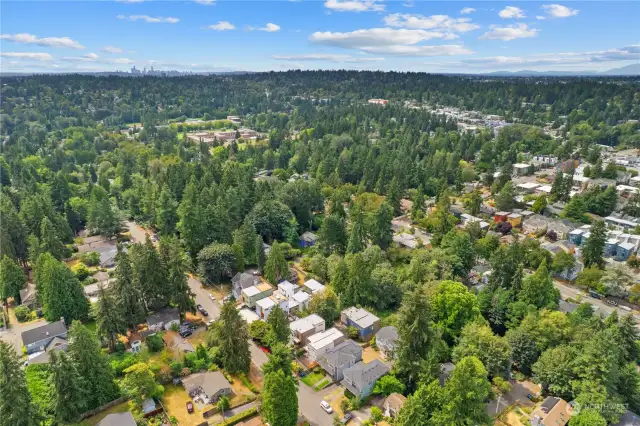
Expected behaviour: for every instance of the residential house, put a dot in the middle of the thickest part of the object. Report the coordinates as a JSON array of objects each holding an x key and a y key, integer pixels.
[
  {"x": 393, "y": 404},
  {"x": 515, "y": 219},
  {"x": 467, "y": 219},
  {"x": 500, "y": 216},
  {"x": 287, "y": 289},
  {"x": 552, "y": 412},
  {"x": 164, "y": 319},
  {"x": 28, "y": 296},
  {"x": 251, "y": 295},
  {"x": 610, "y": 247},
  {"x": 264, "y": 307},
  {"x": 635, "y": 181},
  {"x": 242, "y": 280},
  {"x": 207, "y": 387},
  {"x": 624, "y": 251},
  {"x": 620, "y": 223},
  {"x": 302, "y": 300},
  {"x": 306, "y": 327},
  {"x": 135, "y": 343},
  {"x": 521, "y": 169},
  {"x": 527, "y": 187},
  {"x": 337, "y": 359},
  {"x": 308, "y": 239},
  {"x": 312, "y": 287},
  {"x": 319, "y": 343},
  {"x": 361, "y": 378},
  {"x": 91, "y": 291},
  {"x": 118, "y": 419},
  {"x": 366, "y": 323},
  {"x": 37, "y": 339},
  {"x": 406, "y": 240},
  {"x": 576, "y": 236},
  {"x": 58, "y": 343},
  {"x": 386, "y": 340}
]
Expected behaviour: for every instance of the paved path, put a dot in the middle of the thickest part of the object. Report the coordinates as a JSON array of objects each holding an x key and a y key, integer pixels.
[{"x": 258, "y": 357}]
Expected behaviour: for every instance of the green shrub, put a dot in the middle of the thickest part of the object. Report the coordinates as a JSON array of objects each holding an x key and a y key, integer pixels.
[
  {"x": 22, "y": 313},
  {"x": 91, "y": 258},
  {"x": 81, "y": 271},
  {"x": 245, "y": 381},
  {"x": 352, "y": 332},
  {"x": 155, "y": 343}
]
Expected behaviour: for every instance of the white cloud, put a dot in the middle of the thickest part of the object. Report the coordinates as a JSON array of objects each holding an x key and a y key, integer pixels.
[
  {"x": 434, "y": 22},
  {"x": 89, "y": 57},
  {"x": 467, "y": 10},
  {"x": 26, "y": 38},
  {"x": 511, "y": 12},
  {"x": 420, "y": 50},
  {"x": 206, "y": 2},
  {"x": 123, "y": 61},
  {"x": 510, "y": 32},
  {"x": 354, "y": 5},
  {"x": 390, "y": 41},
  {"x": 111, "y": 49},
  {"x": 594, "y": 59},
  {"x": 150, "y": 19},
  {"x": 328, "y": 57},
  {"x": 541, "y": 18},
  {"x": 269, "y": 28},
  {"x": 559, "y": 11},
  {"x": 222, "y": 26},
  {"x": 28, "y": 55},
  {"x": 373, "y": 37}
]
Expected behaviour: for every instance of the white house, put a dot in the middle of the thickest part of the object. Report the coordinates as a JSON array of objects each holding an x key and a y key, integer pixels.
[
  {"x": 312, "y": 286},
  {"x": 306, "y": 327},
  {"x": 287, "y": 289},
  {"x": 320, "y": 342},
  {"x": 264, "y": 307}
]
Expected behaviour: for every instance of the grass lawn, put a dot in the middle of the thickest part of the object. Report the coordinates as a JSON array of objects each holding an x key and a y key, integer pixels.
[
  {"x": 175, "y": 400},
  {"x": 312, "y": 378},
  {"x": 94, "y": 420}
]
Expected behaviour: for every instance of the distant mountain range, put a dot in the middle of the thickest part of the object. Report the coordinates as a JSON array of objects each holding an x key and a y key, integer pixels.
[{"x": 633, "y": 69}]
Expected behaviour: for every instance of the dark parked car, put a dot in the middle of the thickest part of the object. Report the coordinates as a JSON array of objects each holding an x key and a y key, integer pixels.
[
  {"x": 202, "y": 310},
  {"x": 186, "y": 333},
  {"x": 189, "y": 407}
]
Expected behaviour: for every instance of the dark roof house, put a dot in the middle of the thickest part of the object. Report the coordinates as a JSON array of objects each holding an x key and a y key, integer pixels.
[
  {"x": 337, "y": 359},
  {"x": 28, "y": 295},
  {"x": 207, "y": 386},
  {"x": 242, "y": 280},
  {"x": 37, "y": 339},
  {"x": 164, "y": 319}
]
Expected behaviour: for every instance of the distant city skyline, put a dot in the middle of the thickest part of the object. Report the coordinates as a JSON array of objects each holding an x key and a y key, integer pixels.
[{"x": 222, "y": 36}]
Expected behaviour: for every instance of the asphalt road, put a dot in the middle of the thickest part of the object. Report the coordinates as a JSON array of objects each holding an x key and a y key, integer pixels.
[
  {"x": 138, "y": 235},
  {"x": 573, "y": 292},
  {"x": 309, "y": 404}
]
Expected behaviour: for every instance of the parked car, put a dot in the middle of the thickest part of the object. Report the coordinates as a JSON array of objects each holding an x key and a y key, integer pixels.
[
  {"x": 209, "y": 323},
  {"x": 202, "y": 310},
  {"x": 346, "y": 418},
  {"x": 189, "y": 407},
  {"x": 326, "y": 407},
  {"x": 186, "y": 333},
  {"x": 612, "y": 303},
  {"x": 212, "y": 297}
]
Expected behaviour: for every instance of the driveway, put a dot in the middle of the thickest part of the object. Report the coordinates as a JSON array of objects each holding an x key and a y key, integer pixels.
[
  {"x": 258, "y": 357},
  {"x": 309, "y": 404},
  {"x": 14, "y": 334},
  {"x": 518, "y": 392}
]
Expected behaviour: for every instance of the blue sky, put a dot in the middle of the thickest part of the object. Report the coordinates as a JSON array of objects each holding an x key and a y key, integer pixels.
[{"x": 405, "y": 35}]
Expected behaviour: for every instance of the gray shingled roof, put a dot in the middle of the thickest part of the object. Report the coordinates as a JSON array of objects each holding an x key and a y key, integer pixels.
[
  {"x": 387, "y": 336},
  {"x": 347, "y": 351},
  {"x": 164, "y": 315},
  {"x": 363, "y": 374},
  {"x": 40, "y": 333},
  {"x": 210, "y": 382}
]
